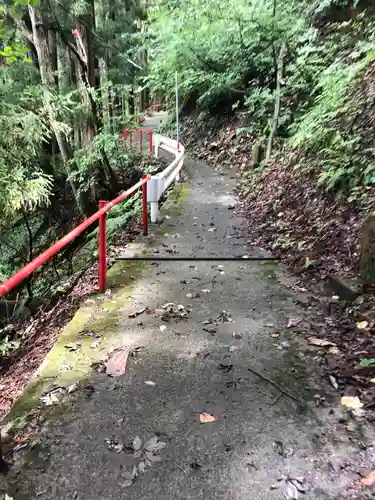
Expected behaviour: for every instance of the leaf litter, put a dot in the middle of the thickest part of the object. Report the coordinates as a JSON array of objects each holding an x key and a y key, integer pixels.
[
  {"x": 147, "y": 455},
  {"x": 290, "y": 486},
  {"x": 320, "y": 342},
  {"x": 175, "y": 311},
  {"x": 206, "y": 418},
  {"x": 369, "y": 480},
  {"x": 116, "y": 364}
]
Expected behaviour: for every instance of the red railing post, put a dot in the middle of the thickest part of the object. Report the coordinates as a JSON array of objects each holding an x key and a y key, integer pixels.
[
  {"x": 131, "y": 138},
  {"x": 149, "y": 133},
  {"x": 140, "y": 140},
  {"x": 144, "y": 206},
  {"x": 102, "y": 249},
  {"x": 125, "y": 134}
]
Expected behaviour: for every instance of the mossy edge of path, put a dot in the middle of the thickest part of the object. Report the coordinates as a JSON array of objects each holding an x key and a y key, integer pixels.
[{"x": 98, "y": 314}]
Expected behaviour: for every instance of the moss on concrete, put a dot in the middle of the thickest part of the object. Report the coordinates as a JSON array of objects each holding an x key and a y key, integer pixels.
[
  {"x": 176, "y": 199},
  {"x": 99, "y": 314}
]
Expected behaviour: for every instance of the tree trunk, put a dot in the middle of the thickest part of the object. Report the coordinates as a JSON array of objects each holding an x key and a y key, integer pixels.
[
  {"x": 280, "y": 67},
  {"x": 48, "y": 81}
]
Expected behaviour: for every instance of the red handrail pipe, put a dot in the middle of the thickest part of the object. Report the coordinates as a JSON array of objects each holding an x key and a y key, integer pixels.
[
  {"x": 23, "y": 273},
  {"x": 129, "y": 133}
]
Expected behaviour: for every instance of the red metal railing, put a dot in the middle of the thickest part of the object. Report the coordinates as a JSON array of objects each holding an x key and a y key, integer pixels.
[
  {"x": 129, "y": 133},
  {"x": 100, "y": 215}
]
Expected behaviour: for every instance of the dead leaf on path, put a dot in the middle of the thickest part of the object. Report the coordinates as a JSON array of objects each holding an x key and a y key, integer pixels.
[
  {"x": 209, "y": 329},
  {"x": 206, "y": 418},
  {"x": 333, "y": 382},
  {"x": 137, "y": 313},
  {"x": 320, "y": 342},
  {"x": 290, "y": 491},
  {"x": 334, "y": 350},
  {"x": 152, "y": 458},
  {"x": 137, "y": 443},
  {"x": 141, "y": 467},
  {"x": 126, "y": 479},
  {"x": 72, "y": 388},
  {"x": 65, "y": 368},
  {"x": 233, "y": 348},
  {"x": 151, "y": 443},
  {"x": 369, "y": 480},
  {"x": 150, "y": 382},
  {"x": 352, "y": 402},
  {"x": 237, "y": 335},
  {"x": 225, "y": 317},
  {"x": 292, "y": 322},
  {"x": 162, "y": 328},
  {"x": 73, "y": 346},
  {"x": 275, "y": 335},
  {"x": 7, "y": 497},
  {"x": 98, "y": 366},
  {"x": 361, "y": 325},
  {"x": 205, "y": 290},
  {"x": 283, "y": 345},
  {"x": 116, "y": 365},
  {"x": 114, "y": 445},
  {"x": 212, "y": 229},
  {"x": 50, "y": 399}
]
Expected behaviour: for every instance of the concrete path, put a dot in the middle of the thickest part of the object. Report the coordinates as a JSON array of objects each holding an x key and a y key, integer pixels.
[{"x": 190, "y": 366}]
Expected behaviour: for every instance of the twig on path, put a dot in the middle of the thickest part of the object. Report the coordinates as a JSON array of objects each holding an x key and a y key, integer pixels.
[
  {"x": 181, "y": 469},
  {"x": 212, "y": 280},
  {"x": 275, "y": 385},
  {"x": 277, "y": 400}
]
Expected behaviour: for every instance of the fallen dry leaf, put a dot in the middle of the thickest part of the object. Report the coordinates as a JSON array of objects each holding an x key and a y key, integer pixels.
[
  {"x": 320, "y": 342},
  {"x": 137, "y": 443},
  {"x": 275, "y": 335},
  {"x": 212, "y": 229},
  {"x": 162, "y": 328},
  {"x": 361, "y": 325},
  {"x": 334, "y": 350},
  {"x": 116, "y": 365},
  {"x": 205, "y": 418},
  {"x": 351, "y": 402},
  {"x": 369, "y": 480},
  {"x": 150, "y": 382},
  {"x": 137, "y": 313},
  {"x": 293, "y": 322}
]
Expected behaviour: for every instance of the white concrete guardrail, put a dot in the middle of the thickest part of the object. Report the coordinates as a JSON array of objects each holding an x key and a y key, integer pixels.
[{"x": 159, "y": 183}]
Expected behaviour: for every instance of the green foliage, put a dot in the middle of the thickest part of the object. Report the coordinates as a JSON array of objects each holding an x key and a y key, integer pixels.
[
  {"x": 368, "y": 362},
  {"x": 218, "y": 48},
  {"x": 7, "y": 346},
  {"x": 225, "y": 54}
]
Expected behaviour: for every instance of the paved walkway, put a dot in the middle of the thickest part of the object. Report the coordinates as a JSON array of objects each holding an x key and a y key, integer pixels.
[{"x": 199, "y": 364}]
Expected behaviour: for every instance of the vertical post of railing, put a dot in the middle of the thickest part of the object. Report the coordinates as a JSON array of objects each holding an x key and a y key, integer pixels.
[
  {"x": 125, "y": 134},
  {"x": 144, "y": 208},
  {"x": 102, "y": 249},
  {"x": 149, "y": 133},
  {"x": 131, "y": 138},
  {"x": 140, "y": 140}
]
